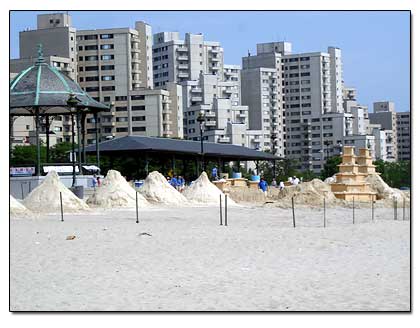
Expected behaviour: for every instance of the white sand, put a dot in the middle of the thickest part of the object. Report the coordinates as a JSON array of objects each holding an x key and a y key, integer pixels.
[
  {"x": 384, "y": 191},
  {"x": 258, "y": 262},
  {"x": 17, "y": 210},
  {"x": 115, "y": 191},
  {"x": 156, "y": 189},
  {"x": 46, "y": 197},
  {"x": 203, "y": 191}
]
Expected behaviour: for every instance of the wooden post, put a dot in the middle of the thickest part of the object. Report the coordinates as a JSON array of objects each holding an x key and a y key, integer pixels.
[
  {"x": 353, "y": 209},
  {"x": 221, "y": 214},
  {"x": 325, "y": 216},
  {"x": 293, "y": 212},
  {"x": 226, "y": 210},
  {"x": 137, "y": 207},
  {"x": 61, "y": 206},
  {"x": 403, "y": 209},
  {"x": 395, "y": 209},
  {"x": 373, "y": 208}
]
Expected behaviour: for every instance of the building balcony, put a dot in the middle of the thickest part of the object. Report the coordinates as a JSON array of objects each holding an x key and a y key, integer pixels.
[
  {"x": 167, "y": 134},
  {"x": 166, "y": 100},
  {"x": 166, "y": 111},
  {"x": 182, "y": 49},
  {"x": 196, "y": 90},
  {"x": 214, "y": 51},
  {"x": 196, "y": 98},
  {"x": 182, "y": 74},
  {"x": 182, "y": 66},
  {"x": 228, "y": 73},
  {"x": 214, "y": 59},
  {"x": 224, "y": 140},
  {"x": 104, "y": 123},
  {"x": 210, "y": 114},
  {"x": 243, "y": 115},
  {"x": 210, "y": 123},
  {"x": 214, "y": 68},
  {"x": 229, "y": 91},
  {"x": 182, "y": 57}
]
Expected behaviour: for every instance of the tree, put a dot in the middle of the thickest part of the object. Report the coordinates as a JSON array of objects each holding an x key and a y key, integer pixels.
[
  {"x": 330, "y": 167},
  {"x": 59, "y": 153},
  {"x": 395, "y": 174},
  {"x": 26, "y": 155}
]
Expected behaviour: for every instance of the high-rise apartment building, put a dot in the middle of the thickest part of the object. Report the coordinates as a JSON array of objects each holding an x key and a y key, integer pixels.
[
  {"x": 114, "y": 67},
  {"x": 310, "y": 86},
  {"x": 385, "y": 115},
  {"x": 403, "y": 136},
  {"x": 176, "y": 60}
]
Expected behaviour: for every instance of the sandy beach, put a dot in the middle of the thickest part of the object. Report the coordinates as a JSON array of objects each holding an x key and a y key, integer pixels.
[{"x": 182, "y": 259}]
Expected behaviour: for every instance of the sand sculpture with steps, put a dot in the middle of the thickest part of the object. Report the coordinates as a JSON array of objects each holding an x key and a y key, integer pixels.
[{"x": 351, "y": 179}]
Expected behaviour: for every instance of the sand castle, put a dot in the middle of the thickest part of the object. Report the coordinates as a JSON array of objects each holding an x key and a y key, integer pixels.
[{"x": 351, "y": 180}]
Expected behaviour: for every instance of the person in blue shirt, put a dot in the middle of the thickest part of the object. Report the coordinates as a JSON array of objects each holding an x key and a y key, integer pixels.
[
  {"x": 214, "y": 173},
  {"x": 174, "y": 181},
  {"x": 180, "y": 183},
  {"x": 263, "y": 186}
]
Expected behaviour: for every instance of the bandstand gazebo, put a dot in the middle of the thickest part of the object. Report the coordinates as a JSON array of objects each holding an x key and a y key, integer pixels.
[{"x": 44, "y": 92}]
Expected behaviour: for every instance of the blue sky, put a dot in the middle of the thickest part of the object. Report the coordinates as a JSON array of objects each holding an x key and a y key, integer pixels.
[{"x": 375, "y": 45}]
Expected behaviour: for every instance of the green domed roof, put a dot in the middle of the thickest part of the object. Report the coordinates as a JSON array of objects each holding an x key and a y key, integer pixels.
[{"x": 43, "y": 86}]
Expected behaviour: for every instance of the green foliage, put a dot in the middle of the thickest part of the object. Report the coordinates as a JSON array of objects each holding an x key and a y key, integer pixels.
[
  {"x": 59, "y": 152},
  {"x": 395, "y": 174},
  {"x": 308, "y": 175},
  {"x": 26, "y": 155},
  {"x": 330, "y": 167}
]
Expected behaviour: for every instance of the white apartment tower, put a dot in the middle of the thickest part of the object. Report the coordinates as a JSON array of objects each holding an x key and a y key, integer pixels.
[
  {"x": 310, "y": 87},
  {"x": 176, "y": 60},
  {"x": 115, "y": 67}
]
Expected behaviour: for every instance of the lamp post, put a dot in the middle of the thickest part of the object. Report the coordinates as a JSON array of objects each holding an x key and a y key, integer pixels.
[
  {"x": 72, "y": 103},
  {"x": 200, "y": 120}
]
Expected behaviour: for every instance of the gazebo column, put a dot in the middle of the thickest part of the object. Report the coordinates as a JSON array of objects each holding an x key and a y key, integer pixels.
[
  {"x": 84, "y": 137},
  {"x": 47, "y": 134},
  {"x": 147, "y": 165},
  {"x": 173, "y": 164},
  {"x": 73, "y": 160},
  {"x": 197, "y": 173},
  {"x": 79, "y": 148},
  {"x": 38, "y": 145},
  {"x": 274, "y": 169},
  {"x": 96, "y": 139},
  {"x": 257, "y": 166},
  {"x": 11, "y": 121}
]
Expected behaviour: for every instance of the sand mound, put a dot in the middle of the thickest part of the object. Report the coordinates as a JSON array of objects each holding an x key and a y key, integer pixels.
[
  {"x": 17, "y": 210},
  {"x": 46, "y": 197},
  {"x": 385, "y": 192},
  {"x": 157, "y": 190},
  {"x": 115, "y": 191},
  {"x": 204, "y": 192},
  {"x": 309, "y": 193},
  {"x": 331, "y": 180}
]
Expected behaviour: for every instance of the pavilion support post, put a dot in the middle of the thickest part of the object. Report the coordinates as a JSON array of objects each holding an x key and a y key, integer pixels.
[
  {"x": 38, "y": 144},
  {"x": 47, "y": 134},
  {"x": 84, "y": 137},
  {"x": 197, "y": 167},
  {"x": 73, "y": 158},
  {"x": 79, "y": 144},
  {"x": 11, "y": 121},
  {"x": 96, "y": 139},
  {"x": 238, "y": 166},
  {"x": 147, "y": 165},
  {"x": 220, "y": 168},
  {"x": 173, "y": 164},
  {"x": 274, "y": 169},
  {"x": 184, "y": 164},
  {"x": 257, "y": 165}
]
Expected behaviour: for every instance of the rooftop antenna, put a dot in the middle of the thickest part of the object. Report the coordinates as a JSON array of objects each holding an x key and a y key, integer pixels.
[{"x": 249, "y": 53}]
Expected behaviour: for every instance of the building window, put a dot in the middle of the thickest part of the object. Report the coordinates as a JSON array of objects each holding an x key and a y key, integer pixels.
[
  {"x": 107, "y": 67},
  {"x": 92, "y": 78},
  {"x": 91, "y": 68},
  {"x": 107, "y": 36},
  {"x": 120, "y": 98},
  {"x": 138, "y": 118},
  {"x": 107, "y": 46},
  {"x": 107, "y": 57},
  {"x": 91, "y": 37},
  {"x": 137, "y": 97},
  {"x": 138, "y": 108},
  {"x": 139, "y": 128},
  {"x": 120, "y": 109},
  {"x": 108, "y": 78},
  {"x": 92, "y": 89}
]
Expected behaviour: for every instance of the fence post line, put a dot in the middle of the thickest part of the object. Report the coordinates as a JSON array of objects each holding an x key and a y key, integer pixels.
[
  {"x": 325, "y": 216},
  {"x": 353, "y": 210},
  {"x": 226, "y": 211},
  {"x": 137, "y": 207},
  {"x": 395, "y": 210},
  {"x": 403, "y": 209},
  {"x": 293, "y": 212},
  {"x": 373, "y": 208},
  {"x": 21, "y": 188},
  {"x": 221, "y": 214},
  {"x": 61, "y": 207}
]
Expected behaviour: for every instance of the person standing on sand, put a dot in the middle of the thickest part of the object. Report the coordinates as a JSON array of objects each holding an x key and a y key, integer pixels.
[
  {"x": 94, "y": 181},
  {"x": 98, "y": 180},
  {"x": 214, "y": 173},
  {"x": 281, "y": 185},
  {"x": 263, "y": 186}
]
